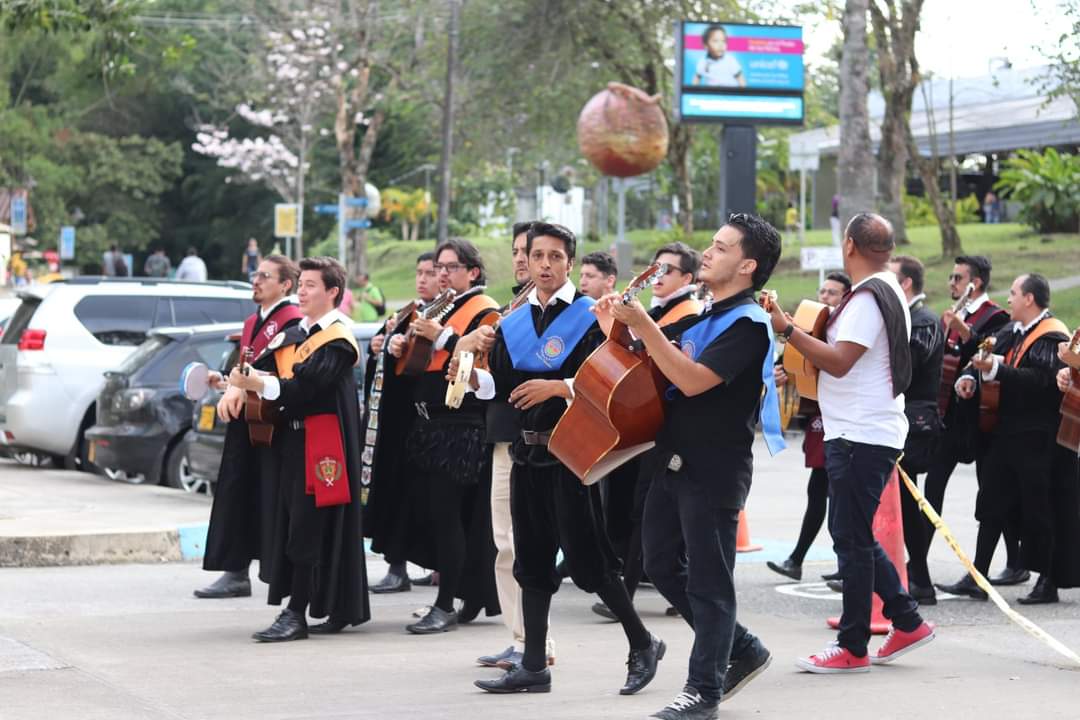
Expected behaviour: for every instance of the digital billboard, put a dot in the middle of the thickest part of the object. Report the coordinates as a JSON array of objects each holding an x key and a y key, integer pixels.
[{"x": 732, "y": 72}]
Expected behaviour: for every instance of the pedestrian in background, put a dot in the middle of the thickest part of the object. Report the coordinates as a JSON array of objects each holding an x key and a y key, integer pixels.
[
  {"x": 192, "y": 267},
  {"x": 370, "y": 303},
  {"x": 157, "y": 265},
  {"x": 108, "y": 261},
  {"x": 249, "y": 263}
]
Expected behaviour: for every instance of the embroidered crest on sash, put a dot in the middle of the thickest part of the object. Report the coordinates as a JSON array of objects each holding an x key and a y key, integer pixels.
[{"x": 328, "y": 470}]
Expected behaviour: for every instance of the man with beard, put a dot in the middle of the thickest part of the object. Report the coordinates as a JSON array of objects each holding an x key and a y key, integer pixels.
[
  {"x": 389, "y": 413},
  {"x": 244, "y": 499},
  {"x": 317, "y": 553},
  {"x": 447, "y": 455}
]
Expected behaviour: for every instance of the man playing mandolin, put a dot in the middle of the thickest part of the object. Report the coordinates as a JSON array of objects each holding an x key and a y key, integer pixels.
[{"x": 704, "y": 456}]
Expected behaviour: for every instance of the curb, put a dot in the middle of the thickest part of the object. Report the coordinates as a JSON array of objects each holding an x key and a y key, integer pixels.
[{"x": 184, "y": 543}]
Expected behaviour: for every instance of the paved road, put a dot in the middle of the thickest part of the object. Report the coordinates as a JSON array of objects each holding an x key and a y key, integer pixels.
[{"x": 129, "y": 641}]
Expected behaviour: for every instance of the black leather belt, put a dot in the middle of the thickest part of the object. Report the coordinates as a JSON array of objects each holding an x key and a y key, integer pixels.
[
  {"x": 296, "y": 424},
  {"x": 531, "y": 437}
]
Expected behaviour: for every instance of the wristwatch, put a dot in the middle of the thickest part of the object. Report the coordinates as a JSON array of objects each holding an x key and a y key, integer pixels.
[{"x": 786, "y": 334}]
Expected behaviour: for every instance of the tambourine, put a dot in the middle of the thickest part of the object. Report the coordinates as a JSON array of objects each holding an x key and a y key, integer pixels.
[{"x": 195, "y": 381}]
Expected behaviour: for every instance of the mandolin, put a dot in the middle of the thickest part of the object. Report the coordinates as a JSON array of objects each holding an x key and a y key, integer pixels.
[
  {"x": 259, "y": 413},
  {"x": 467, "y": 361},
  {"x": 1069, "y": 430},
  {"x": 989, "y": 391},
  {"x": 950, "y": 365},
  {"x": 418, "y": 349},
  {"x": 618, "y": 404},
  {"x": 810, "y": 317}
]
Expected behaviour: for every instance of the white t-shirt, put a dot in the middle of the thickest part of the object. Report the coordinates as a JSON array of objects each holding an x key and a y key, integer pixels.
[
  {"x": 191, "y": 268},
  {"x": 860, "y": 406}
]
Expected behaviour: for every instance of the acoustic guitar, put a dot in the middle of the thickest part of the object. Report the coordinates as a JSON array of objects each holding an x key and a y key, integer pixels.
[
  {"x": 418, "y": 349},
  {"x": 989, "y": 391},
  {"x": 950, "y": 365},
  {"x": 260, "y": 414},
  {"x": 618, "y": 404},
  {"x": 1069, "y": 430},
  {"x": 810, "y": 317},
  {"x": 467, "y": 361}
]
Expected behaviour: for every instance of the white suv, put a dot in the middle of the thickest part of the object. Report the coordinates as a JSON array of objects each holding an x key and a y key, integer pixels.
[{"x": 65, "y": 335}]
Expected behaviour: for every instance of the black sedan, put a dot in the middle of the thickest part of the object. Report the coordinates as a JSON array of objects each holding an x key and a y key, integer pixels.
[
  {"x": 206, "y": 439},
  {"x": 142, "y": 415}
]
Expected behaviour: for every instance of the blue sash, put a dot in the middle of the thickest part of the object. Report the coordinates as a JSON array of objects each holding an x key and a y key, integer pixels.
[
  {"x": 548, "y": 352},
  {"x": 696, "y": 339}
]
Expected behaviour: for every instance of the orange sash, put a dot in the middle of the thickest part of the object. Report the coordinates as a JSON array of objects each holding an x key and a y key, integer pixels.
[
  {"x": 686, "y": 307},
  {"x": 459, "y": 321},
  {"x": 290, "y": 355},
  {"x": 1046, "y": 325}
]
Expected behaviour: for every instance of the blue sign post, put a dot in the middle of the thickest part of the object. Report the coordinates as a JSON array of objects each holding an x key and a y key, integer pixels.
[
  {"x": 67, "y": 243},
  {"x": 18, "y": 215}
]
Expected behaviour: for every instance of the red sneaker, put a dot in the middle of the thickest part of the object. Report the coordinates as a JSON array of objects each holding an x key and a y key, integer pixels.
[
  {"x": 834, "y": 659},
  {"x": 899, "y": 642}
]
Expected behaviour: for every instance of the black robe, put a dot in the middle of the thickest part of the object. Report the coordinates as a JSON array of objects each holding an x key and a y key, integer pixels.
[
  {"x": 330, "y": 539},
  {"x": 245, "y": 498}
]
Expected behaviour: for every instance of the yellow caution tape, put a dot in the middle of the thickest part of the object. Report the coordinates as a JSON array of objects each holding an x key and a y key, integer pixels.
[{"x": 981, "y": 581}]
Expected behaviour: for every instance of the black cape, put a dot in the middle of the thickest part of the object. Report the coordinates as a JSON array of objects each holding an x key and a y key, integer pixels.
[
  {"x": 245, "y": 498},
  {"x": 329, "y": 539}
]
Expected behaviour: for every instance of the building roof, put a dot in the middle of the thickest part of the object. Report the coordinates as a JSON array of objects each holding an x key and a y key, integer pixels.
[{"x": 1007, "y": 110}]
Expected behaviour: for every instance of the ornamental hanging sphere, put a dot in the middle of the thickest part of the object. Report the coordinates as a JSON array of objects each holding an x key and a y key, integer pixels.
[{"x": 623, "y": 131}]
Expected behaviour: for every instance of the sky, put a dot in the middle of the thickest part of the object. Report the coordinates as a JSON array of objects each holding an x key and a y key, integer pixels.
[{"x": 965, "y": 38}]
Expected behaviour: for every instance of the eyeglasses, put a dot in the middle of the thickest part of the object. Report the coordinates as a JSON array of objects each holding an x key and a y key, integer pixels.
[
  {"x": 260, "y": 274},
  {"x": 956, "y": 277},
  {"x": 449, "y": 267}
]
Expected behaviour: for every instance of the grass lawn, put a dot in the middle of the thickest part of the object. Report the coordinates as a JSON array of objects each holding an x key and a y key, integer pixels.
[{"x": 1013, "y": 249}]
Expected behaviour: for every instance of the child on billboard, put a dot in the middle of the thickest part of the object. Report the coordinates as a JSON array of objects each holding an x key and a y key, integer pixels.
[{"x": 718, "y": 68}]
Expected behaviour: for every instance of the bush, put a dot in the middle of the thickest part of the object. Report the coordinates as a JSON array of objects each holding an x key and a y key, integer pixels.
[{"x": 1047, "y": 186}]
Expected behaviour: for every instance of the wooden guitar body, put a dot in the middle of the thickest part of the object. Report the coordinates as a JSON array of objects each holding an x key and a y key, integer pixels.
[
  {"x": 416, "y": 355},
  {"x": 1069, "y": 430},
  {"x": 989, "y": 402},
  {"x": 810, "y": 317},
  {"x": 261, "y": 415},
  {"x": 950, "y": 368},
  {"x": 617, "y": 410}
]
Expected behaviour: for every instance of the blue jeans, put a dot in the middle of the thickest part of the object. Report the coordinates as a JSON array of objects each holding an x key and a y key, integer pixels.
[
  {"x": 682, "y": 509},
  {"x": 857, "y": 476}
]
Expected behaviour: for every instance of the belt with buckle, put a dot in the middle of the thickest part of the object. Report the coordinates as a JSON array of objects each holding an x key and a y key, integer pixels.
[
  {"x": 675, "y": 463},
  {"x": 532, "y": 437}
]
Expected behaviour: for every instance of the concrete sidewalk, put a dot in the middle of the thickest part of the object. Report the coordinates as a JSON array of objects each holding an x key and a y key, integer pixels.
[{"x": 60, "y": 517}]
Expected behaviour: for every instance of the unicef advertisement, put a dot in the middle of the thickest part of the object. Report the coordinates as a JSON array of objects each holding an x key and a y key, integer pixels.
[{"x": 731, "y": 71}]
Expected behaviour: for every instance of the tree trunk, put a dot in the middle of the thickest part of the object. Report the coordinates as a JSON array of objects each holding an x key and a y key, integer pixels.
[
  {"x": 358, "y": 236},
  {"x": 892, "y": 170},
  {"x": 928, "y": 171},
  {"x": 681, "y": 139},
  {"x": 855, "y": 167}
]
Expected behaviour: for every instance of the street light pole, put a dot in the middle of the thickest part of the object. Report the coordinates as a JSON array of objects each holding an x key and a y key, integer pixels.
[{"x": 448, "y": 121}]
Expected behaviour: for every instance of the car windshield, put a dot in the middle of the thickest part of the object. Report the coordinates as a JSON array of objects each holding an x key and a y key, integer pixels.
[{"x": 143, "y": 354}]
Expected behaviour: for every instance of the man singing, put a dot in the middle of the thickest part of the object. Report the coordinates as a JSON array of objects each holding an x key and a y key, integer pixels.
[{"x": 865, "y": 366}]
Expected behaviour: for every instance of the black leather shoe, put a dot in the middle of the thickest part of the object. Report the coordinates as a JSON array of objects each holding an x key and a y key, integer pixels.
[
  {"x": 429, "y": 580},
  {"x": 1011, "y": 576},
  {"x": 922, "y": 595},
  {"x": 392, "y": 584},
  {"x": 965, "y": 587},
  {"x": 835, "y": 585},
  {"x": 1044, "y": 593},
  {"x": 518, "y": 680},
  {"x": 330, "y": 627},
  {"x": 750, "y": 663},
  {"x": 688, "y": 705},
  {"x": 229, "y": 585},
  {"x": 832, "y": 576},
  {"x": 641, "y": 665},
  {"x": 290, "y": 625},
  {"x": 604, "y": 611},
  {"x": 789, "y": 569},
  {"x": 436, "y": 621}
]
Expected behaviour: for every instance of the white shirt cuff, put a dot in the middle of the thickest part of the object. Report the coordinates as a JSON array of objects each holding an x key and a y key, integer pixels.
[
  {"x": 486, "y": 385},
  {"x": 570, "y": 384},
  {"x": 444, "y": 337},
  {"x": 271, "y": 388},
  {"x": 989, "y": 376}
]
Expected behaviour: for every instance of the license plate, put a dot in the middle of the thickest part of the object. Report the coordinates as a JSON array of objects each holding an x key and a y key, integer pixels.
[
  {"x": 206, "y": 417},
  {"x": 91, "y": 453}
]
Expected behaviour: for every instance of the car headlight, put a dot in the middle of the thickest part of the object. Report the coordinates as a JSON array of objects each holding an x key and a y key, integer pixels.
[{"x": 129, "y": 401}]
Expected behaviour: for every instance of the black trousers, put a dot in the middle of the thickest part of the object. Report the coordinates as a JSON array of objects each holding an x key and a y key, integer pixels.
[
  {"x": 685, "y": 512},
  {"x": 551, "y": 509}
]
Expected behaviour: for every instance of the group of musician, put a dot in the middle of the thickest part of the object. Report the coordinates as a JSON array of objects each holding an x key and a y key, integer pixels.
[{"x": 450, "y": 468}]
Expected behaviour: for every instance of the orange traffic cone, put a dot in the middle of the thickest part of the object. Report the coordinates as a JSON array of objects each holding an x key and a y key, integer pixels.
[
  {"x": 742, "y": 540},
  {"x": 889, "y": 531}
]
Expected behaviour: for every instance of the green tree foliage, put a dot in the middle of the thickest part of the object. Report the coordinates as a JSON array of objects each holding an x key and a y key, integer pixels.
[{"x": 1047, "y": 186}]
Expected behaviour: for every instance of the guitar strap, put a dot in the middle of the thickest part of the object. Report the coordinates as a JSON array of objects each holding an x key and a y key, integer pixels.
[
  {"x": 1046, "y": 325},
  {"x": 549, "y": 351},
  {"x": 459, "y": 320},
  {"x": 694, "y": 341}
]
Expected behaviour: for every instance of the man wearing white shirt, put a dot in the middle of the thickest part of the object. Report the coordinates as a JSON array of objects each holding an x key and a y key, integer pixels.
[
  {"x": 191, "y": 267},
  {"x": 865, "y": 366}
]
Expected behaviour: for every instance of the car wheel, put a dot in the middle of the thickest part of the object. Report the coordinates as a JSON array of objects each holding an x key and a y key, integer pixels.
[
  {"x": 178, "y": 473},
  {"x": 31, "y": 459},
  {"x": 79, "y": 457}
]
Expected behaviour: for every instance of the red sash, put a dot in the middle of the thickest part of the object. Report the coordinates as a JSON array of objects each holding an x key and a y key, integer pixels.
[
  {"x": 326, "y": 475},
  {"x": 281, "y": 316}
]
